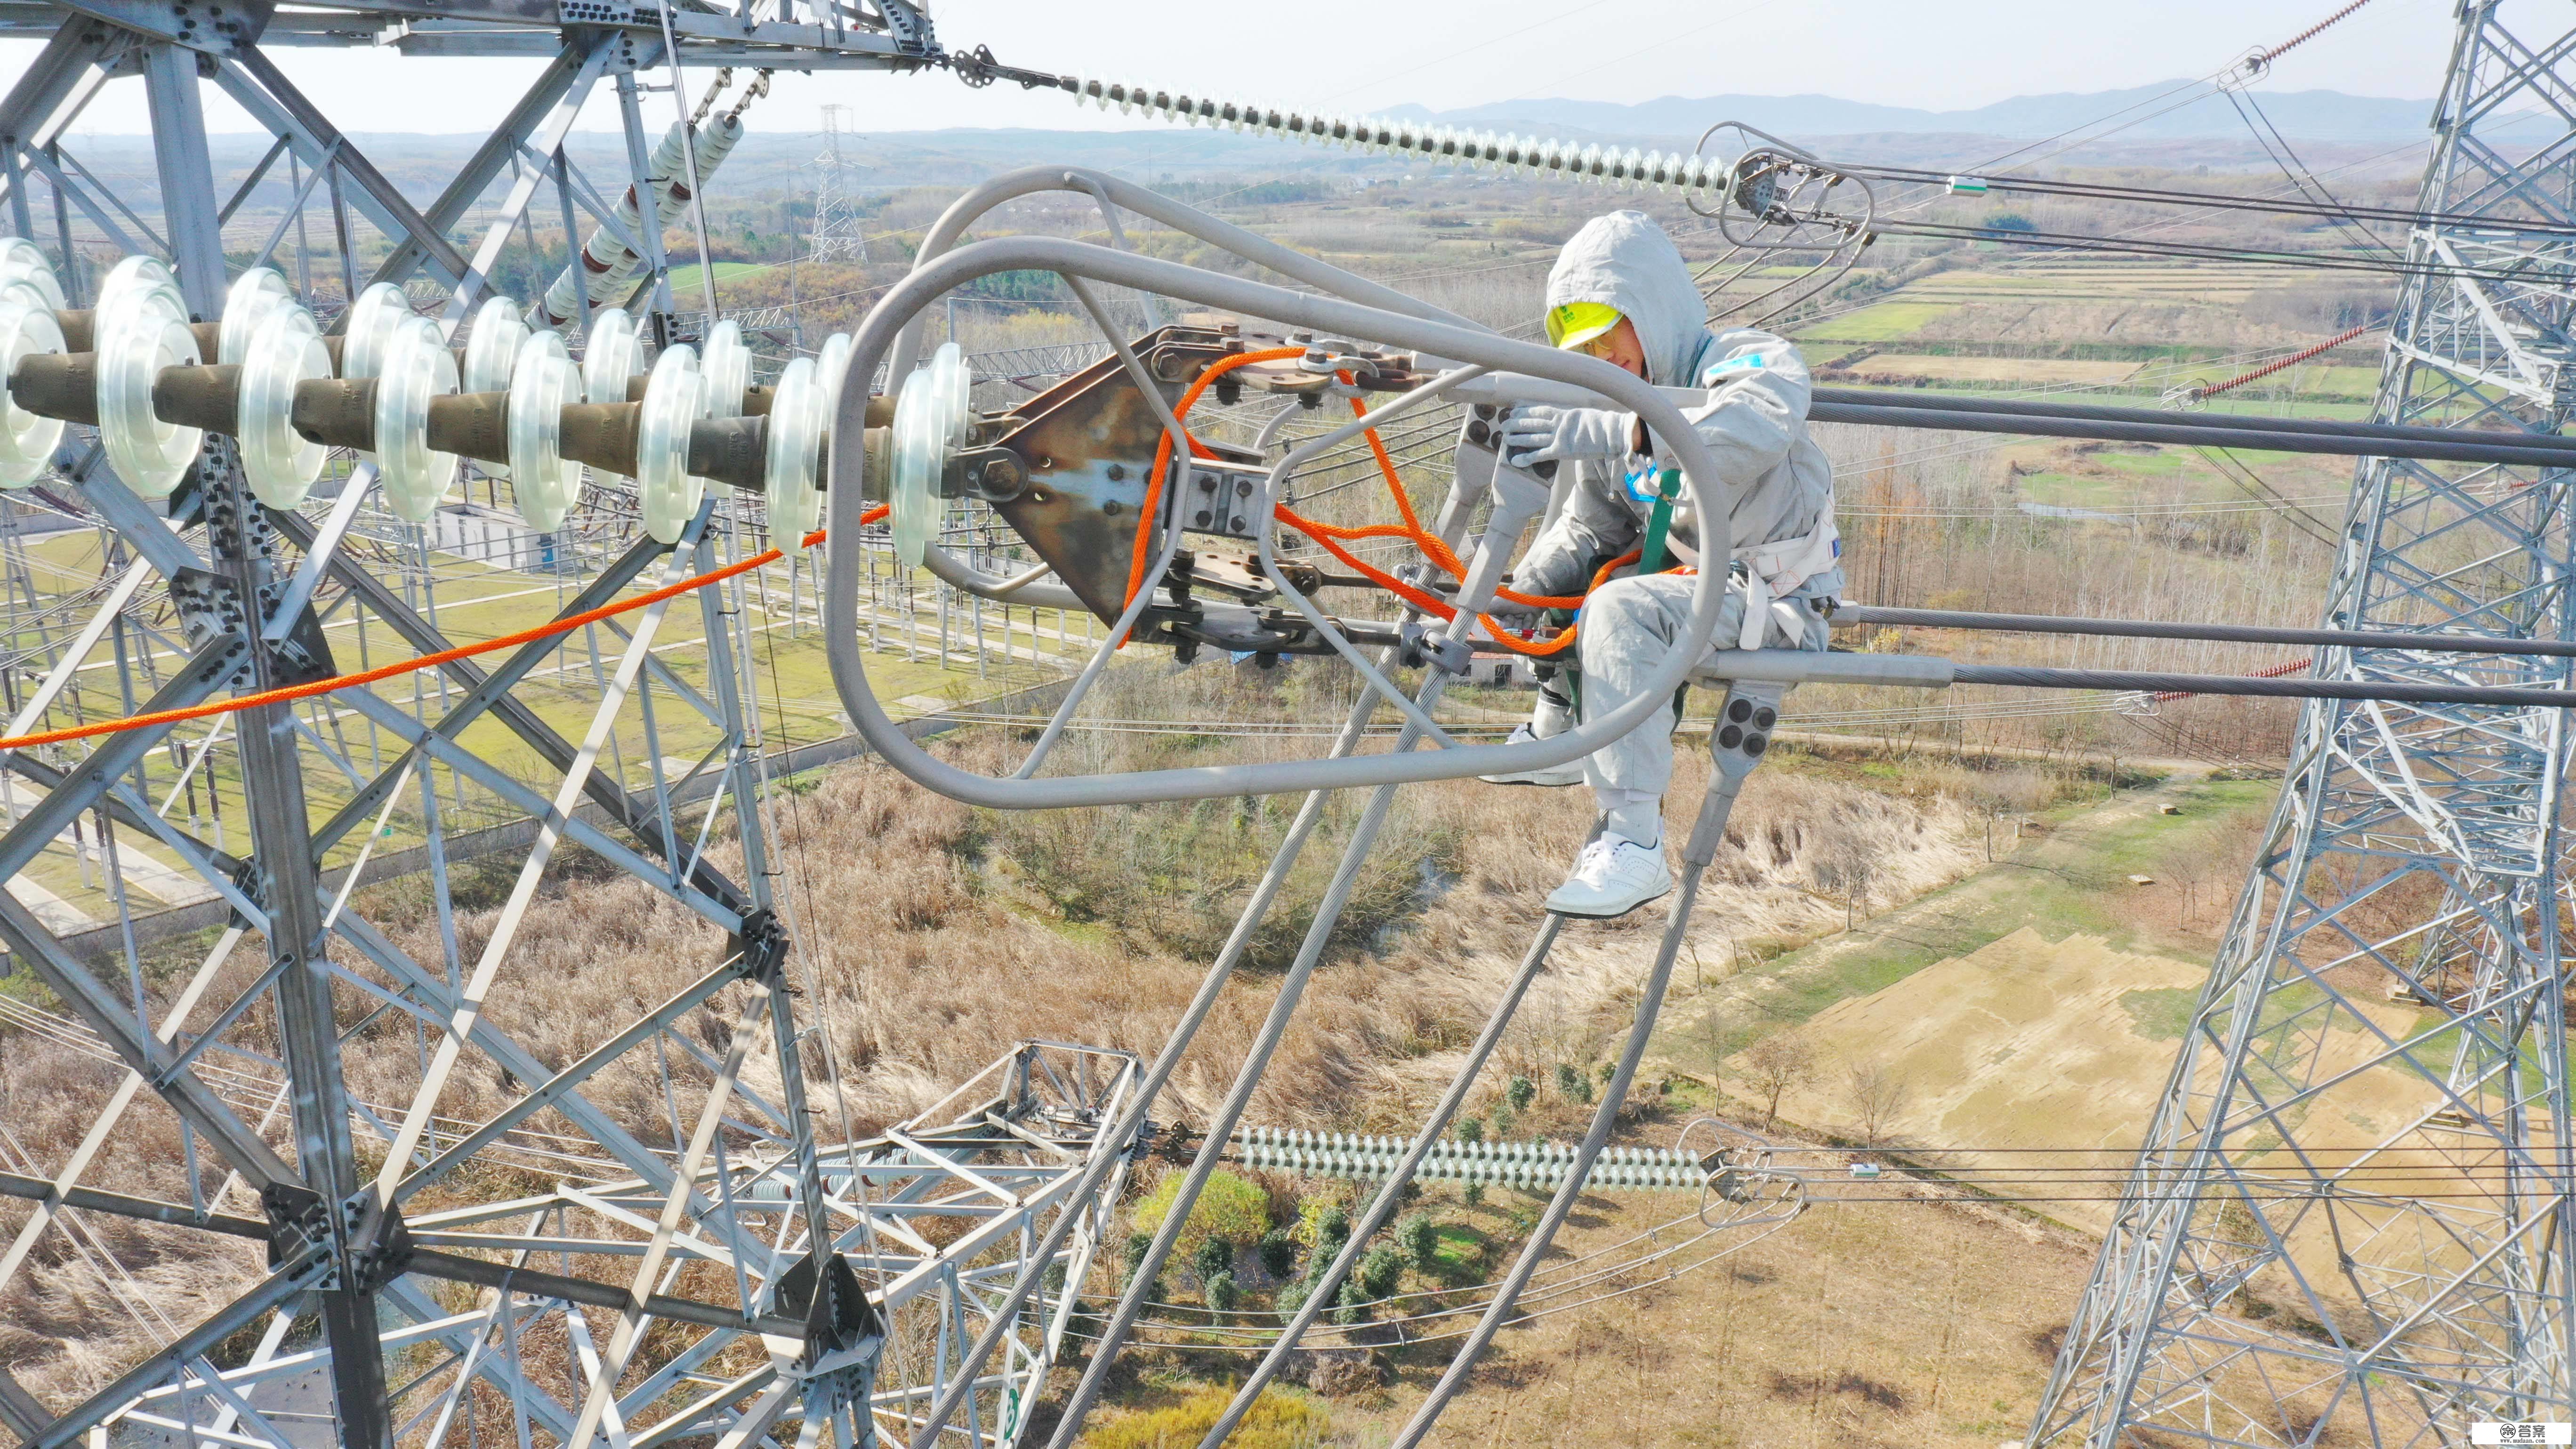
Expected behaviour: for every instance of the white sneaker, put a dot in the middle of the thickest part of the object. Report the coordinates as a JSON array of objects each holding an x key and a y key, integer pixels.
[
  {"x": 1552, "y": 777},
  {"x": 1612, "y": 877}
]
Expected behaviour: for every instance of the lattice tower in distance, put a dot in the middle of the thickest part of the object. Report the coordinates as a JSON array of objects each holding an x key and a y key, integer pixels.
[
  {"x": 2348, "y": 1221},
  {"x": 838, "y": 236}
]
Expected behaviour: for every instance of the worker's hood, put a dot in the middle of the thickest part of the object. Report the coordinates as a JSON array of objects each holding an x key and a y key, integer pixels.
[{"x": 1625, "y": 260}]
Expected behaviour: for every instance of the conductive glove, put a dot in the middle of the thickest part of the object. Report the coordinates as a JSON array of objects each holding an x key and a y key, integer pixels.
[{"x": 1536, "y": 434}]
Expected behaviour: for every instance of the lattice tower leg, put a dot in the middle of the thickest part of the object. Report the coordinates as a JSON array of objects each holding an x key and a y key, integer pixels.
[{"x": 2349, "y": 1220}]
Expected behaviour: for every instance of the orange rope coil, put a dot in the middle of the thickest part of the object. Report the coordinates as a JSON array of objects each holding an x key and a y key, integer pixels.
[{"x": 1330, "y": 536}]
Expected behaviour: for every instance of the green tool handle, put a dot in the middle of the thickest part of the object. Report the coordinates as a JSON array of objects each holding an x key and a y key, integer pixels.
[{"x": 1650, "y": 556}]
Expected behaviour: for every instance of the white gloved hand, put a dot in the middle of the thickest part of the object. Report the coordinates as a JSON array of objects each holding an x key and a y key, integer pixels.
[{"x": 1535, "y": 434}]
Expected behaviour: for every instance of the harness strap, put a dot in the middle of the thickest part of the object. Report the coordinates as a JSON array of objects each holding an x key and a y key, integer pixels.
[{"x": 1784, "y": 565}]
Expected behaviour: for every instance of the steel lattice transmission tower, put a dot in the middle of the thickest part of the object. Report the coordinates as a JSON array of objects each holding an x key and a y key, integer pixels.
[
  {"x": 837, "y": 234},
  {"x": 2349, "y": 1219}
]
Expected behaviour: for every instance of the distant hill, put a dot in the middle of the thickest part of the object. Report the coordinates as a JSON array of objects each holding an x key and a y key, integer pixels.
[{"x": 2152, "y": 114}]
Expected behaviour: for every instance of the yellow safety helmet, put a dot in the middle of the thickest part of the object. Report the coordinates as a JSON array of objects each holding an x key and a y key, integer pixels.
[{"x": 1571, "y": 324}]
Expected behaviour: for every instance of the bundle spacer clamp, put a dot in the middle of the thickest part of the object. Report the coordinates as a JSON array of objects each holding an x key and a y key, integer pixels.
[{"x": 1421, "y": 647}]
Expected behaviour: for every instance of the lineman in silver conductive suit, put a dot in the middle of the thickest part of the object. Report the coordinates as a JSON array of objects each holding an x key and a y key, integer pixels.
[{"x": 1621, "y": 292}]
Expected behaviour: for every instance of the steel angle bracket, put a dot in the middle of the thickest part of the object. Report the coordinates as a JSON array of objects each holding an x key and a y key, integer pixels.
[
  {"x": 210, "y": 604},
  {"x": 209, "y": 607},
  {"x": 759, "y": 948},
  {"x": 374, "y": 1247},
  {"x": 222, "y": 27},
  {"x": 1085, "y": 449},
  {"x": 843, "y": 1330},
  {"x": 909, "y": 26}
]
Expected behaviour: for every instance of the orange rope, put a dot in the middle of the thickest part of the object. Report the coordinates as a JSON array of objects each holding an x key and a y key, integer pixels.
[
  {"x": 1163, "y": 457},
  {"x": 1431, "y": 544},
  {"x": 547, "y": 630},
  {"x": 1326, "y": 534},
  {"x": 1439, "y": 552}
]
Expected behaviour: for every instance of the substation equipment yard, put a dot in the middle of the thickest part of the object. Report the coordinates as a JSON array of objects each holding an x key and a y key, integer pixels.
[{"x": 256, "y": 472}]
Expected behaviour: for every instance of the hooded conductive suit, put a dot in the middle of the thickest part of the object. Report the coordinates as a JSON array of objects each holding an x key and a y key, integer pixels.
[{"x": 1754, "y": 420}]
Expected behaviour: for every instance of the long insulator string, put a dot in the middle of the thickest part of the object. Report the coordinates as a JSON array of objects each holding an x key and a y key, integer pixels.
[{"x": 1606, "y": 165}]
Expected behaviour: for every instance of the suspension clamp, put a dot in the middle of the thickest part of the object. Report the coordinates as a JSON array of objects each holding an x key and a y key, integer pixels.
[
  {"x": 761, "y": 947},
  {"x": 978, "y": 69}
]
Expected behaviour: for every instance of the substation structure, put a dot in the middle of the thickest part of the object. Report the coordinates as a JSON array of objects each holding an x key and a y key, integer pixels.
[{"x": 256, "y": 474}]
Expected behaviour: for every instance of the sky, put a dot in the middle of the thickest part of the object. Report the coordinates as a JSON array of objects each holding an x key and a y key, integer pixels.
[{"x": 1367, "y": 55}]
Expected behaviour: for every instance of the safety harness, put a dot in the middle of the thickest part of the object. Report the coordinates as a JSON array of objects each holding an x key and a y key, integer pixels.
[{"x": 1773, "y": 571}]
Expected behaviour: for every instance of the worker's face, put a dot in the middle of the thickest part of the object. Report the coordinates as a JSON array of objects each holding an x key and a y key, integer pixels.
[{"x": 1620, "y": 348}]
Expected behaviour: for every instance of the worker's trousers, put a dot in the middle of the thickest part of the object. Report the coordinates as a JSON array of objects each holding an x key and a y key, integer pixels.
[{"x": 1630, "y": 628}]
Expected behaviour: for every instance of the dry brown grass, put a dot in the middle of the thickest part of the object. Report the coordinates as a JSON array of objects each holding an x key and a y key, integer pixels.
[
  {"x": 930, "y": 954},
  {"x": 1912, "y": 1322}
]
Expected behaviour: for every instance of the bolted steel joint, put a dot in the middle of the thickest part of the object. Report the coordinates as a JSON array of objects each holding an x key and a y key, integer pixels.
[
  {"x": 1744, "y": 724},
  {"x": 761, "y": 947},
  {"x": 820, "y": 1289},
  {"x": 298, "y": 1220},
  {"x": 376, "y": 1242},
  {"x": 996, "y": 475}
]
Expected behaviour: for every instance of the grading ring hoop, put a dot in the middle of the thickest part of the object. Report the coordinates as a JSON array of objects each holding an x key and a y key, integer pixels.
[{"x": 832, "y": 364}]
